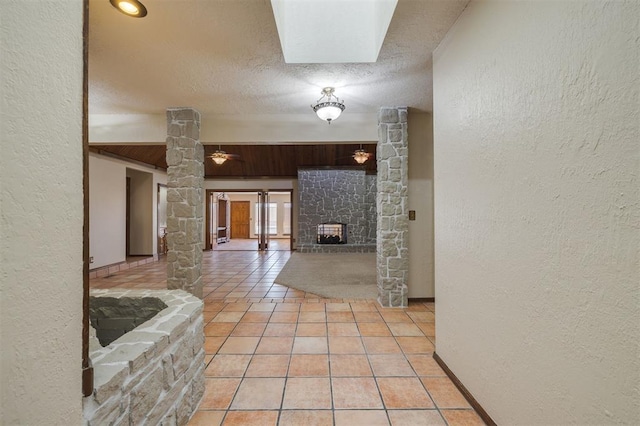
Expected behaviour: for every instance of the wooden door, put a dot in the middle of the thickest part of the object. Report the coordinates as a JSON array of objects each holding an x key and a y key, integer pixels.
[{"x": 240, "y": 213}]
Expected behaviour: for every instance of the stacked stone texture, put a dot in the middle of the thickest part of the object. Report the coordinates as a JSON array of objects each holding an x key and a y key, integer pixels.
[
  {"x": 336, "y": 195},
  {"x": 336, "y": 248},
  {"x": 155, "y": 373},
  {"x": 371, "y": 194},
  {"x": 393, "y": 222},
  {"x": 185, "y": 172}
]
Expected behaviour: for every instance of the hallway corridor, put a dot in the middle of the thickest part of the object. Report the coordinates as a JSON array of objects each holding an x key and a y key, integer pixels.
[{"x": 279, "y": 356}]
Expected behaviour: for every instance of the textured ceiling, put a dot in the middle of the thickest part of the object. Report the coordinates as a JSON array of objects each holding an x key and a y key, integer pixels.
[{"x": 223, "y": 57}]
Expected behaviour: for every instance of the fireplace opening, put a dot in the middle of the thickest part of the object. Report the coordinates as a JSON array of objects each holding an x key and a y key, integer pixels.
[{"x": 332, "y": 233}]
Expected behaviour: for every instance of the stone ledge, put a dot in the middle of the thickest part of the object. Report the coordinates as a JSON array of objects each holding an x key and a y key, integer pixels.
[{"x": 336, "y": 248}]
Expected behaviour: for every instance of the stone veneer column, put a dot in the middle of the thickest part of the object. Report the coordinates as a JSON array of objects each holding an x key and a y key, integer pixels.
[
  {"x": 185, "y": 178},
  {"x": 393, "y": 222}
]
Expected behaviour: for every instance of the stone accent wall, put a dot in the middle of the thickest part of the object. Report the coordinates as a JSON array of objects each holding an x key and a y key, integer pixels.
[
  {"x": 154, "y": 374},
  {"x": 371, "y": 195},
  {"x": 185, "y": 178},
  {"x": 336, "y": 195},
  {"x": 392, "y": 203}
]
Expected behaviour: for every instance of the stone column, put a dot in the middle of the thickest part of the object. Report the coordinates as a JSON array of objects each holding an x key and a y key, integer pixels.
[
  {"x": 185, "y": 178},
  {"x": 392, "y": 203}
]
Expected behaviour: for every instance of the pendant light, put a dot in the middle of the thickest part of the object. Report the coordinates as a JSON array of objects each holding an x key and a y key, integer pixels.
[
  {"x": 328, "y": 107},
  {"x": 360, "y": 155}
]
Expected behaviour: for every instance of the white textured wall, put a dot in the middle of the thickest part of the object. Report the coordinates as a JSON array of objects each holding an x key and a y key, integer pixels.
[
  {"x": 107, "y": 209},
  {"x": 41, "y": 212},
  {"x": 107, "y": 204},
  {"x": 159, "y": 177},
  {"x": 235, "y": 128},
  {"x": 536, "y": 126},
  {"x": 420, "y": 127}
]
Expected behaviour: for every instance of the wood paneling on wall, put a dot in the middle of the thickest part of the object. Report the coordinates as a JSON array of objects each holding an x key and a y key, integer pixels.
[{"x": 254, "y": 160}]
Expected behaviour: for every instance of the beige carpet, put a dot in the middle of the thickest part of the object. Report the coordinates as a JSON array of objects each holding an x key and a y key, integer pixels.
[{"x": 339, "y": 275}]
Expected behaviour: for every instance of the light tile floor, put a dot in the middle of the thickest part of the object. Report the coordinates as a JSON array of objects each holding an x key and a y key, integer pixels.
[
  {"x": 280, "y": 356},
  {"x": 242, "y": 244}
]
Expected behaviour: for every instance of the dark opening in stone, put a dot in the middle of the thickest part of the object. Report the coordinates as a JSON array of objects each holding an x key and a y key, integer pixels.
[
  {"x": 113, "y": 317},
  {"x": 332, "y": 233}
]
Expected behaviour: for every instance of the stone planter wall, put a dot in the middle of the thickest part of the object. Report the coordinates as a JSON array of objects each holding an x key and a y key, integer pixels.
[{"x": 154, "y": 374}]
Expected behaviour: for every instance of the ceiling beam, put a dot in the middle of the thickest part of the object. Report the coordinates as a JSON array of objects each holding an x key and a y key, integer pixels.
[{"x": 237, "y": 129}]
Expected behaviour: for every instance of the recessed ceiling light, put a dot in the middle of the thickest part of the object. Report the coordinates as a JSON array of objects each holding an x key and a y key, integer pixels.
[{"x": 130, "y": 7}]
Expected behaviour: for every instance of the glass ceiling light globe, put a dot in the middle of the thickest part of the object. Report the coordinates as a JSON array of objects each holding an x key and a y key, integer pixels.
[
  {"x": 328, "y": 107},
  {"x": 328, "y": 112}
]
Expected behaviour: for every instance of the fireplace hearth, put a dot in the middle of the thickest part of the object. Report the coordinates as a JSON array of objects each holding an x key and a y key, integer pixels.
[{"x": 332, "y": 233}]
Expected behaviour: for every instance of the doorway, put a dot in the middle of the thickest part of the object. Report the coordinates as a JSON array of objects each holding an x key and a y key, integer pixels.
[
  {"x": 139, "y": 214},
  {"x": 255, "y": 220},
  {"x": 128, "y": 218},
  {"x": 162, "y": 219}
]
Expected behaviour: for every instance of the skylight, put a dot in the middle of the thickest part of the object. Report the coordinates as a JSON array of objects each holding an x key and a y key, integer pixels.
[{"x": 332, "y": 31}]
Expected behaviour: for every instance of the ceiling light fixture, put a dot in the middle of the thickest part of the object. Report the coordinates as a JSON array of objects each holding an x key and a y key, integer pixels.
[
  {"x": 130, "y": 7},
  {"x": 219, "y": 156},
  {"x": 328, "y": 107},
  {"x": 361, "y": 156}
]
